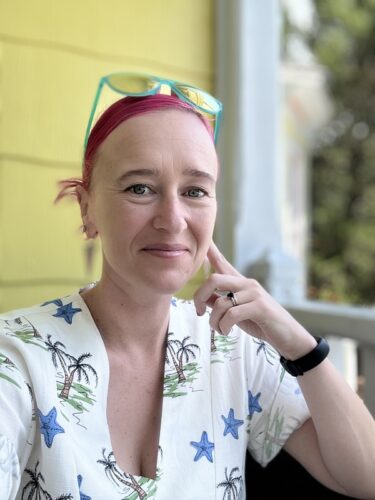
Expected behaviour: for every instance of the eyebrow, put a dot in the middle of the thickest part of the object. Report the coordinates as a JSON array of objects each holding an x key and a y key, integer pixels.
[{"x": 150, "y": 172}]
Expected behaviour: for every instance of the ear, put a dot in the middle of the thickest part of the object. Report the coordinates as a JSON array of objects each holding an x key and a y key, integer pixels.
[{"x": 84, "y": 201}]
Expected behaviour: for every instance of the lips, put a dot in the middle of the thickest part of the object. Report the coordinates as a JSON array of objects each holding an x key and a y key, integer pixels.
[
  {"x": 166, "y": 247},
  {"x": 166, "y": 250}
]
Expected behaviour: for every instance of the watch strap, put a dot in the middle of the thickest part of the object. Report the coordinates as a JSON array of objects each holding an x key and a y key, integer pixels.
[{"x": 312, "y": 359}]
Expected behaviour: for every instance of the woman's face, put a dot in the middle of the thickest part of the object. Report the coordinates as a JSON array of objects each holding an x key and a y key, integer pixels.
[{"x": 152, "y": 200}]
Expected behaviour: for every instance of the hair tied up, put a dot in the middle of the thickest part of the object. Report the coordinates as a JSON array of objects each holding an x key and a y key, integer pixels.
[{"x": 68, "y": 188}]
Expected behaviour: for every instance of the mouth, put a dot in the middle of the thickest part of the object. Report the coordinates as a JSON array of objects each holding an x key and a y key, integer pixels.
[{"x": 167, "y": 251}]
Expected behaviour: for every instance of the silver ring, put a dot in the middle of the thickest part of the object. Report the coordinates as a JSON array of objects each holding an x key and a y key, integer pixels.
[{"x": 232, "y": 297}]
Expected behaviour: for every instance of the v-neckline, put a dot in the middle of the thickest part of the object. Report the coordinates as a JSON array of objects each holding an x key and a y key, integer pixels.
[{"x": 106, "y": 370}]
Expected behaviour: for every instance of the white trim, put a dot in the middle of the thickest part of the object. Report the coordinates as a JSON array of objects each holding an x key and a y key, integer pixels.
[{"x": 247, "y": 83}]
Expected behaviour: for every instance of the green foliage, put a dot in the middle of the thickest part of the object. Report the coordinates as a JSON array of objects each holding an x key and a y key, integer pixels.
[{"x": 343, "y": 163}]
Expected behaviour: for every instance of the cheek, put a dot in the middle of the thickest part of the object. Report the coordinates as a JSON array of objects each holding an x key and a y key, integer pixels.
[
  {"x": 204, "y": 229},
  {"x": 112, "y": 216}
]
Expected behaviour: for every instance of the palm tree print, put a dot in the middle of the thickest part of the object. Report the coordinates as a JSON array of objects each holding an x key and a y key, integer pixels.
[
  {"x": 8, "y": 366},
  {"x": 58, "y": 354},
  {"x": 185, "y": 351},
  {"x": 171, "y": 354},
  {"x": 6, "y": 361},
  {"x": 213, "y": 345},
  {"x": 24, "y": 330},
  {"x": 114, "y": 474},
  {"x": 267, "y": 350},
  {"x": 232, "y": 484},
  {"x": 273, "y": 432},
  {"x": 222, "y": 346},
  {"x": 73, "y": 368},
  {"x": 81, "y": 369},
  {"x": 182, "y": 371},
  {"x": 34, "y": 330},
  {"x": 34, "y": 489}
]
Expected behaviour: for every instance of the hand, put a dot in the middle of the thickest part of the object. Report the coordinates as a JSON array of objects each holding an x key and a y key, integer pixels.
[{"x": 257, "y": 313}]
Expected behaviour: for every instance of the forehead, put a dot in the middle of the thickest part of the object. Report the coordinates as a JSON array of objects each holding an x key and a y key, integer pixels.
[{"x": 160, "y": 136}]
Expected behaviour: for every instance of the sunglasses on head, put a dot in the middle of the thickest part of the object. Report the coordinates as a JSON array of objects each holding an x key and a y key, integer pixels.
[{"x": 138, "y": 85}]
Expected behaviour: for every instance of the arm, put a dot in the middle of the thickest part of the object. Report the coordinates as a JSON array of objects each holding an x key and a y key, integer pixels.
[
  {"x": 338, "y": 445},
  {"x": 15, "y": 426},
  {"x": 303, "y": 439}
]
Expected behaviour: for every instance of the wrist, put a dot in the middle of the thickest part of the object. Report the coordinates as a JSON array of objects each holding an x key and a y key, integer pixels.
[
  {"x": 307, "y": 362},
  {"x": 298, "y": 346}
]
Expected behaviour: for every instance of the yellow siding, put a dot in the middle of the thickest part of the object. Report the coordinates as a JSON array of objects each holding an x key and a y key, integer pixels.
[{"x": 52, "y": 55}]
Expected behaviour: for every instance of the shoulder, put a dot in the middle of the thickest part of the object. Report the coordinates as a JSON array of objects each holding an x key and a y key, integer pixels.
[
  {"x": 31, "y": 337},
  {"x": 19, "y": 323},
  {"x": 44, "y": 308},
  {"x": 29, "y": 330}
]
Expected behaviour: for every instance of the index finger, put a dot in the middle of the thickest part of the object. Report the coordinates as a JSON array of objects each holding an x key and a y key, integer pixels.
[{"x": 219, "y": 262}]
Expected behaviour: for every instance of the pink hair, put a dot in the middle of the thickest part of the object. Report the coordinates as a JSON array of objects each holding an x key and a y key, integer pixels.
[{"x": 112, "y": 117}]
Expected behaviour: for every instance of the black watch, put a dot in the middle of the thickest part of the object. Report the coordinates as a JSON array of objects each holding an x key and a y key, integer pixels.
[{"x": 311, "y": 360}]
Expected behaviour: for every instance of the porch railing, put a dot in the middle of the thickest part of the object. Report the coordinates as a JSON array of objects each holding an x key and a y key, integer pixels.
[{"x": 356, "y": 323}]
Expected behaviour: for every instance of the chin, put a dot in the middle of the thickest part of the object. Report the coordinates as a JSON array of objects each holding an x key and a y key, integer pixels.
[{"x": 168, "y": 285}]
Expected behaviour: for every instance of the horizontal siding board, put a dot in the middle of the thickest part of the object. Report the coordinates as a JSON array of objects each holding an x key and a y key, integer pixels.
[
  {"x": 23, "y": 296},
  {"x": 162, "y": 31},
  {"x": 40, "y": 240},
  {"x": 48, "y": 95},
  {"x": 52, "y": 55}
]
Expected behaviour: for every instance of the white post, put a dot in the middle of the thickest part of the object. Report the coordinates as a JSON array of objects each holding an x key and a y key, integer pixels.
[{"x": 249, "y": 223}]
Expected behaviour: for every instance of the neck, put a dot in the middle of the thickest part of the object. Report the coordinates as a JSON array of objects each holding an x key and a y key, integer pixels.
[{"x": 128, "y": 322}]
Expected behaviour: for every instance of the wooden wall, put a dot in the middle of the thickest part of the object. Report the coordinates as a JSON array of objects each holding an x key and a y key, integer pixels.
[{"x": 52, "y": 55}]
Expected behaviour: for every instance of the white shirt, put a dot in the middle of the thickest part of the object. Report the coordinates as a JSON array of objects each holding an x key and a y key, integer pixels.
[{"x": 221, "y": 395}]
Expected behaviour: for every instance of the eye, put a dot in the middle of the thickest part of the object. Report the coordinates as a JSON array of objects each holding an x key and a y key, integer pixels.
[
  {"x": 139, "y": 189},
  {"x": 196, "y": 192}
]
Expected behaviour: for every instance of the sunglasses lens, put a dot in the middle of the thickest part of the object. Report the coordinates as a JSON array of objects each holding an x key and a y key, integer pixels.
[
  {"x": 199, "y": 98},
  {"x": 131, "y": 84}
]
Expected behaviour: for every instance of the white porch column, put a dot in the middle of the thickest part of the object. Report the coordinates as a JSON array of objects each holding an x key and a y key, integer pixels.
[{"x": 249, "y": 222}]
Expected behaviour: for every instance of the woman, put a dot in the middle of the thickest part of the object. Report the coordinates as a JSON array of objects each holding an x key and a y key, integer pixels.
[{"x": 122, "y": 391}]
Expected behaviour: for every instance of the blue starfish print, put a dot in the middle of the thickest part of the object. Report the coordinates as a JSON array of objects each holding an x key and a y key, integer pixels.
[
  {"x": 254, "y": 405},
  {"x": 174, "y": 302},
  {"x": 82, "y": 496},
  {"x": 49, "y": 427},
  {"x": 231, "y": 424},
  {"x": 204, "y": 448},
  {"x": 67, "y": 312},
  {"x": 57, "y": 302}
]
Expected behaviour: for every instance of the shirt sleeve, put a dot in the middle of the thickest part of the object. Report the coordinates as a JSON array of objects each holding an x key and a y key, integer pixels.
[
  {"x": 276, "y": 406},
  {"x": 16, "y": 422}
]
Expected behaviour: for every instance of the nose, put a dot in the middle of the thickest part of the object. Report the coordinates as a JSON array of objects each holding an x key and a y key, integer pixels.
[{"x": 171, "y": 215}]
